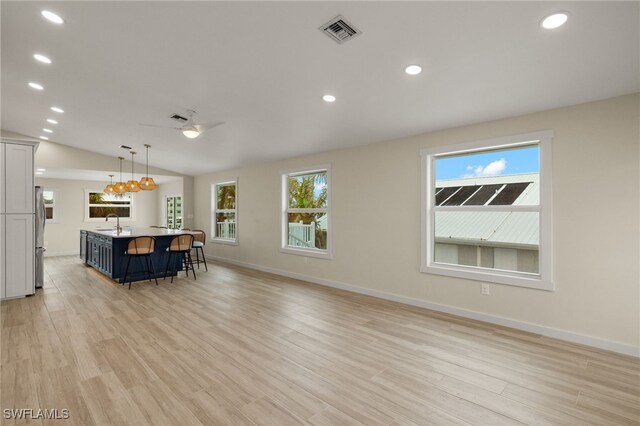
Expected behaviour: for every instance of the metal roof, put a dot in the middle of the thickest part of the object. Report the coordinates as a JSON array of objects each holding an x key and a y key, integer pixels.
[{"x": 506, "y": 229}]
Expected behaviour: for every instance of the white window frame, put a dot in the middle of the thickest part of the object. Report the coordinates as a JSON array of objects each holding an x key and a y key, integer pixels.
[
  {"x": 284, "y": 229},
  {"x": 164, "y": 205},
  {"x": 54, "y": 218},
  {"x": 132, "y": 210},
  {"x": 544, "y": 278},
  {"x": 214, "y": 211}
]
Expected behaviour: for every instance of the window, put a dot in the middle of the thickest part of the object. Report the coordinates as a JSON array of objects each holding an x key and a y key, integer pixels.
[
  {"x": 306, "y": 218},
  {"x": 49, "y": 197},
  {"x": 100, "y": 204},
  {"x": 173, "y": 211},
  {"x": 487, "y": 210},
  {"x": 225, "y": 211}
]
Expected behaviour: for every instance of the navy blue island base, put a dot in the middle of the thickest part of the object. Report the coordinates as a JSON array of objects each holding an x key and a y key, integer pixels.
[{"x": 105, "y": 251}]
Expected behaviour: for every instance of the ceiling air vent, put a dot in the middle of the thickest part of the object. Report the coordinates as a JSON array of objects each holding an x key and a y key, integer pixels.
[
  {"x": 179, "y": 118},
  {"x": 340, "y": 30}
]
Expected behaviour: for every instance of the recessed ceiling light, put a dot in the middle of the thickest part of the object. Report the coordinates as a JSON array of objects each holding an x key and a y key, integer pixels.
[
  {"x": 39, "y": 173},
  {"x": 44, "y": 137},
  {"x": 49, "y": 120},
  {"x": 42, "y": 170},
  {"x": 413, "y": 69},
  {"x": 555, "y": 20},
  {"x": 329, "y": 98},
  {"x": 41, "y": 58},
  {"x": 35, "y": 86},
  {"x": 56, "y": 109},
  {"x": 52, "y": 17},
  {"x": 47, "y": 130}
]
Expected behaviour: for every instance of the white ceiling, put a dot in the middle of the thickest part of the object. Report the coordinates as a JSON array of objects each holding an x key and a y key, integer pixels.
[{"x": 263, "y": 66}]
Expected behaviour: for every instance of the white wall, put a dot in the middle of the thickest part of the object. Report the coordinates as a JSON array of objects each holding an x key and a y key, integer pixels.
[
  {"x": 596, "y": 222},
  {"x": 62, "y": 237}
]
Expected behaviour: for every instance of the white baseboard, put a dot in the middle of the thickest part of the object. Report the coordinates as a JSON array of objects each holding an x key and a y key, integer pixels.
[
  {"x": 61, "y": 253},
  {"x": 465, "y": 313}
]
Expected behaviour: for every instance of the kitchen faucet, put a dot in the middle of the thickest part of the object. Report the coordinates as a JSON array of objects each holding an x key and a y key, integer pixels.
[{"x": 118, "y": 228}]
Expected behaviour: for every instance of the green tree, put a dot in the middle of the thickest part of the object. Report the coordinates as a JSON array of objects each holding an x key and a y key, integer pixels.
[{"x": 226, "y": 197}]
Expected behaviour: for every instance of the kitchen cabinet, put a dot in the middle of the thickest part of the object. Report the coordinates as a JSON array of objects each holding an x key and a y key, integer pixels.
[
  {"x": 19, "y": 255},
  {"x": 83, "y": 246},
  {"x": 18, "y": 179},
  {"x": 17, "y": 204},
  {"x": 100, "y": 253}
]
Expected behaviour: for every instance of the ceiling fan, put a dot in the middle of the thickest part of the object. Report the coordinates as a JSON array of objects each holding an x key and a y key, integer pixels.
[{"x": 189, "y": 129}]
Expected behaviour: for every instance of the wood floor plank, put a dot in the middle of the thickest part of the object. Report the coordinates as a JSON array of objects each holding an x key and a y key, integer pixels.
[{"x": 242, "y": 347}]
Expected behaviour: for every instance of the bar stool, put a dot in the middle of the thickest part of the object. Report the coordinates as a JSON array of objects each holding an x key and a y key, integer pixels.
[
  {"x": 199, "y": 239},
  {"x": 181, "y": 245},
  {"x": 141, "y": 247}
]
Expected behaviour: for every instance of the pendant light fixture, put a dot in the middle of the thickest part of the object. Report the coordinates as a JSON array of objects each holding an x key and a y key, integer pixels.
[
  {"x": 120, "y": 187},
  {"x": 133, "y": 185},
  {"x": 109, "y": 189},
  {"x": 147, "y": 183}
]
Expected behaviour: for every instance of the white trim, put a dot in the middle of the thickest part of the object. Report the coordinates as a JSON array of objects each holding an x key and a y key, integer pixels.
[
  {"x": 284, "y": 208},
  {"x": 166, "y": 195},
  {"x": 54, "y": 217},
  {"x": 544, "y": 279},
  {"x": 61, "y": 253},
  {"x": 214, "y": 211},
  {"x": 132, "y": 206},
  {"x": 555, "y": 333}
]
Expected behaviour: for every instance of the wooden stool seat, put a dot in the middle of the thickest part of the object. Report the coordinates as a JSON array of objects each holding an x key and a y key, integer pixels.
[
  {"x": 141, "y": 247},
  {"x": 181, "y": 245}
]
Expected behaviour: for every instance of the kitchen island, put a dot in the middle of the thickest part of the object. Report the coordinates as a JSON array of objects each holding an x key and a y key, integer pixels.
[{"x": 105, "y": 251}]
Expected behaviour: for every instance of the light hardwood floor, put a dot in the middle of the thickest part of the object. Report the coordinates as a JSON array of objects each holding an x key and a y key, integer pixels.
[{"x": 243, "y": 347}]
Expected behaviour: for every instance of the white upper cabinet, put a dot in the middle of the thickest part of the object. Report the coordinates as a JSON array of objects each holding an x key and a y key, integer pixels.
[{"x": 18, "y": 178}]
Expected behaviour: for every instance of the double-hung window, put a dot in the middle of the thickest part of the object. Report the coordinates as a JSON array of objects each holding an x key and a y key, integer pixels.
[
  {"x": 306, "y": 216},
  {"x": 224, "y": 195},
  {"x": 487, "y": 210},
  {"x": 49, "y": 197},
  {"x": 100, "y": 204}
]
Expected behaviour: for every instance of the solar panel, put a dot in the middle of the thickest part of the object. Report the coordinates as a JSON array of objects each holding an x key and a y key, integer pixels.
[
  {"x": 509, "y": 194},
  {"x": 459, "y": 197},
  {"x": 445, "y": 193},
  {"x": 483, "y": 195}
]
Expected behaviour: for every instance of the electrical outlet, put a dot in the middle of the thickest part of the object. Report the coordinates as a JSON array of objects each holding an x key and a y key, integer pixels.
[
  {"x": 305, "y": 259},
  {"x": 484, "y": 289}
]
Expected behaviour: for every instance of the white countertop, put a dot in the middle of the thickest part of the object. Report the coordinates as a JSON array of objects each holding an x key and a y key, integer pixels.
[{"x": 138, "y": 232}]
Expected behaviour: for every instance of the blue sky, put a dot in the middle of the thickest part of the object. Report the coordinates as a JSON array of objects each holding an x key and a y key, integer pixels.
[{"x": 504, "y": 162}]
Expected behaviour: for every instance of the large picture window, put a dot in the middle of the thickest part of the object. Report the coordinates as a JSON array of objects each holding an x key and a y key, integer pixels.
[
  {"x": 225, "y": 211},
  {"x": 100, "y": 204},
  {"x": 306, "y": 221},
  {"x": 487, "y": 210}
]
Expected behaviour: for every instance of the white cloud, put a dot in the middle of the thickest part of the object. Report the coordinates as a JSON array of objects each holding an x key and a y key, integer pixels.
[{"x": 492, "y": 169}]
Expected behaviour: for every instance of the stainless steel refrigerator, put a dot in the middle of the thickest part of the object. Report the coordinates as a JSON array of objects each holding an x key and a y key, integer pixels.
[{"x": 39, "y": 234}]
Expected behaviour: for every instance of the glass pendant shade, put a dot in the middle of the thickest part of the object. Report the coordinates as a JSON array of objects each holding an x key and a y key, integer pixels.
[
  {"x": 109, "y": 189},
  {"x": 120, "y": 187},
  {"x": 133, "y": 185},
  {"x": 147, "y": 183}
]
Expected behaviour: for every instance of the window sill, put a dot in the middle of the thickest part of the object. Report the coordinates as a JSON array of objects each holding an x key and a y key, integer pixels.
[
  {"x": 111, "y": 219},
  {"x": 320, "y": 254},
  {"x": 223, "y": 241},
  {"x": 498, "y": 277}
]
